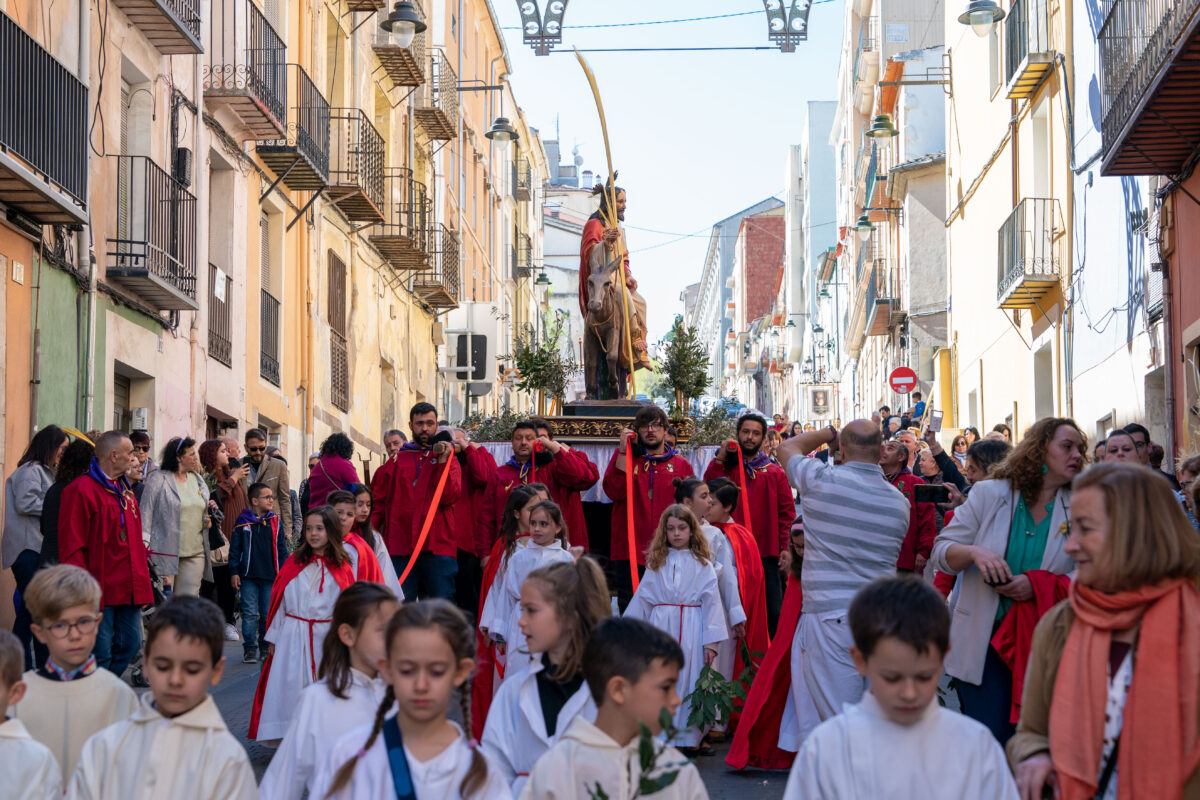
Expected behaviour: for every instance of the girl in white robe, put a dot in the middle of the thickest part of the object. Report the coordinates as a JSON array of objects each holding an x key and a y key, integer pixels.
[
  {"x": 547, "y": 545},
  {"x": 430, "y": 653},
  {"x": 679, "y": 595},
  {"x": 364, "y": 501},
  {"x": 347, "y": 695},
  {"x": 561, "y": 604}
]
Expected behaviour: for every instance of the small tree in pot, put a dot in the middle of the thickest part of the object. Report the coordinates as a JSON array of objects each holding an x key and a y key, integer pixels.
[{"x": 684, "y": 366}]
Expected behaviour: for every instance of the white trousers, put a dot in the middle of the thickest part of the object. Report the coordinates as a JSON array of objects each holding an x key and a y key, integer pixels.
[
  {"x": 191, "y": 572},
  {"x": 800, "y": 716},
  {"x": 829, "y": 672}
]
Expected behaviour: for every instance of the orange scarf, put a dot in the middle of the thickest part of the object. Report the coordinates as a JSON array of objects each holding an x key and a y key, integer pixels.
[{"x": 1158, "y": 750}]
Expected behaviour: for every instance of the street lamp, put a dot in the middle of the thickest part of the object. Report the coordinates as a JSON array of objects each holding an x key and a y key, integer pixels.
[
  {"x": 882, "y": 127},
  {"x": 817, "y": 329},
  {"x": 542, "y": 32},
  {"x": 824, "y": 292},
  {"x": 787, "y": 27},
  {"x": 543, "y": 279},
  {"x": 502, "y": 131},
  {"x": 982, "y": 16},
  {"x": 864, "y": 228},
  {"x": 403, "y": 23}
]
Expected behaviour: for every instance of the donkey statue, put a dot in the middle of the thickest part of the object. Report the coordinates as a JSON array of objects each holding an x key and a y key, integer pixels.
[{"x": 604, "y": 362}]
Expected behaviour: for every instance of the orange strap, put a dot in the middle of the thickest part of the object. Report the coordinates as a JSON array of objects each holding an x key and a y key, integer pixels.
[
  {"x": 633, "y": 561},
  {"x": 433, "y": 505},
  {"x": 743, "y": 503}
]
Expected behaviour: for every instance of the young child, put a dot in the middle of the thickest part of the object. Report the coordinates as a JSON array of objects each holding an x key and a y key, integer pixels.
[
  {"x": 347, "y": 695},
  {"x": 632, "y": 669},
  {"x": 362, "y": 555},
  {"x": 560, "y": 606},
  {"x": 364, "y": 503},
  {"x": 30, "y": 771},
  {"x": 898, "y": 735},
  {"x": 68, "y": 698},
  {"x": 679, "y": 594},
  {"x": 257, "y": 548},
  {"x": 176, "y": 744},
  {"x": 302, "y": 601},
  {"x": 416, "y": 752},
  {"x": 547, "y": 545}
]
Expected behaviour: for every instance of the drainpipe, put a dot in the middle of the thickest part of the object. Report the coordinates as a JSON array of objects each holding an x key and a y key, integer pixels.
[
  {"x": 83, "y": 239},
  {"x": 1168, "y": 352}
]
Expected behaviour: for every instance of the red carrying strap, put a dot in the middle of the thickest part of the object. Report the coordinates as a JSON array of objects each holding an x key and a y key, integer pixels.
[
  {"x": 633, "y": 562},
  {"x": 433, "y": 505},
  {"x": 744, "y": 500}
]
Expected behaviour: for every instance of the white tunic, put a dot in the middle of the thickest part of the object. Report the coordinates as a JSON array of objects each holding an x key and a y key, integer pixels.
[
  {"x": 860, "y": 753},
  {"x": 321, "y": 718},
  {"x": 515, "y": 735},
  {"x": 725, "y": 565},
  {"x": 390, "y": 578},
  {"x": 682, "y": 598},
  {"x": 298, "y": 632},
  {"x": 506, "y": 610},
  {"x": 30, "y": 770},
  {"x": 489, "y": 602},
  {"x": 149, "y": 757},
  {"x": 586, "y": 758},
  {"x": 439, "y": 777}
]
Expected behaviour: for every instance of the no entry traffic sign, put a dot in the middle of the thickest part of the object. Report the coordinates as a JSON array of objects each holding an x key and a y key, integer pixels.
[{"x": 902, "y": 380}]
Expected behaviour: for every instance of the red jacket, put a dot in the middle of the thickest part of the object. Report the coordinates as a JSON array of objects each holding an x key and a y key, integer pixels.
[
  {"x": 476, "y": 471},
  {"x": 771, "y": 504},
  {"x": 568, "y": 474},
  {"x": 653, "y": 491},
  {"x": 1013, "y": 639},
  {"x": 90, "y": 535},
  {"x": 921, "y": 527},
  {"x": 403, "y": 492}
]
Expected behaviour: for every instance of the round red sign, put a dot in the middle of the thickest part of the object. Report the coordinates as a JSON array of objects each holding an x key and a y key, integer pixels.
[{"x": 902, "y": 380}]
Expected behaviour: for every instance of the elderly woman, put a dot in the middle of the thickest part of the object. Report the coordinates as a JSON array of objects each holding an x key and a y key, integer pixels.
[
  {"x": 333, "y": 471},
  {"x": 1110, "y": 707},
  {"x": 1009, "y": 525},
  {"x": 175, "y": 518}
]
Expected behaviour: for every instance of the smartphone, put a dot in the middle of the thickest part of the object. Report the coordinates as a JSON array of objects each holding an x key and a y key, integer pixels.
[
  {"x": 931, "y": 493},
  {"x": 935, "y": 420}
]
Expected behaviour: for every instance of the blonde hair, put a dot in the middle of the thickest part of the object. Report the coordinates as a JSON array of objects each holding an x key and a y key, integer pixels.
[
  {"x": 55, "y": 589},
  {"x": 656, "y": 554},
  {"x": 579, "y": 594},
  {"x": 1149, "y": 538}
]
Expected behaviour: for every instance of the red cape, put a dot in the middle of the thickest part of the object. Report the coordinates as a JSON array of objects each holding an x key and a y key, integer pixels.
[
  {"x": 482, "y": 683},
  {"x": 755, "y": 741},
  {"x": 368, "y": 565},
  {"x": 752, "y": 591},
  {"x": 290, "y": 569},
  {"x": 1013, "y": 640}
]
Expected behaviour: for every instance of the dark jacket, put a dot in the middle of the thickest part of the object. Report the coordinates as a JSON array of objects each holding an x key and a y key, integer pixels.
[
  {"x": 49, "y": 523},
  {"x": 950, "y": 471},
  {"x": 250, "y": 547}
]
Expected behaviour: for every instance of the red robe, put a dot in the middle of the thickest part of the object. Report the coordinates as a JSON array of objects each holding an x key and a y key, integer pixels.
[
  {"x": 476, "y": 473},
  {"x": 482, "y": 683},
  {"x": 403, "y": 492},
  {"x": 752, "y": 590},
  {"x": 593, "y": 234},
  {"x": 922, "y": 529},
  {"x": 368, "y": 564},
  {"x": 91, "y": 536},
  {"x": 1013, "y": 640},
  {"x": 755, "y": 741},
  {"x": 569, "y": 473},
  {"x": 771, "y": 504},
  {"x": 653, "y": 491}
]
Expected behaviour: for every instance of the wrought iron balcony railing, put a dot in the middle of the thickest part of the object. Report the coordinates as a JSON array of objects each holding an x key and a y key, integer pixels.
[
  {"x": 301, "y": 161},
  {"x": 439, "y": 286},
  {"x": 522, "y": 179},
  {"x": 356, "y": 165},
  {"x": 1028, "y": 260},
  {"x": 220, "y": 326},
  {"x": 1028, "y": 55},
  {"x": 437, "y": 99},
  {"x": 405, "y": 236},
  {"x": 245, "y": 67},
  {"x": 405, "y": 66},
  {"x": 172, "y": 26},
  {"x": 268, "y": 339}
]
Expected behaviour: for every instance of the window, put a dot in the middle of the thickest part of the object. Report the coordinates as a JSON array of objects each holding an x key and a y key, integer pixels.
[
  {"x": 339, "y": 366},
  {"x": 220, "y": 329},
  {"x": 268, "y": 365},
  {"x": 121, "y": 392},
  {"x": 994, "y": 59}
]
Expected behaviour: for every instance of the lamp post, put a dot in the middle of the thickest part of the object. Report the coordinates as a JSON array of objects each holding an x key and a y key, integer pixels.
[
  {"x": 403, "y": 23},
  {"x": 502, "y": 130},
  {"x": 542, "y": 31},
  {"x": 787, "y": 26},
  {"x": 982, "y": 16}
]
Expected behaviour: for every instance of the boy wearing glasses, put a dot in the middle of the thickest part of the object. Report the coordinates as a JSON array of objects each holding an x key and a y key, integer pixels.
[
  {"x": 69, "y": 698},
  {"x": 256, "y": 549}
]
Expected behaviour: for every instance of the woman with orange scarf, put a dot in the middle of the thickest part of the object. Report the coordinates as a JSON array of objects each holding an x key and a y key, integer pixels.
[{"x": 1109, "y": 708}]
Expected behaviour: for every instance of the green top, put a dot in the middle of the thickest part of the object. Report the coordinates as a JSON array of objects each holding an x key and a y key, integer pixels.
[{"x": 1026, "y": 545}]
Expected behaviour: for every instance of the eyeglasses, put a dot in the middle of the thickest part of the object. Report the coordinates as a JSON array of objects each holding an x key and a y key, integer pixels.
[
  {"x": 142, "y": 448},
  {"x": 653, "y": 426},
  {"x": 250, "y": 449},
  {"x": 266, "y": 497},
  {"x": 61, "y": 630}
]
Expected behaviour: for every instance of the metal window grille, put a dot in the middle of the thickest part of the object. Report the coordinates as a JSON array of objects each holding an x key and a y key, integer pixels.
[
  {"x": 268, "y": 365},
  {"x": 339, "y": 361},
  {"x": 220, "y": 328}
]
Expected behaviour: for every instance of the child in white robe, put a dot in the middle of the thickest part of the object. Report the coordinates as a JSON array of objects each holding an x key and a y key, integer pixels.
[
  {"x": 631, "y": 669},
  {"x": 560, "y": 605},
  {"x": 347, "y": 695},
  {"x": 898, "y": 737},
  {"x": 30, "y": 771},
  {"x": 547, "y": 545},
  {"x": 176, "y": 744},
  {"x": 430, "y": 652},
  {"x": 364, "y": 502},
  {"x": 679, "y": 594}
]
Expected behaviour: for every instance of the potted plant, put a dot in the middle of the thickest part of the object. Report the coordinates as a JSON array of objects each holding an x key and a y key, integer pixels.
[{"x": 684, "y": 366}]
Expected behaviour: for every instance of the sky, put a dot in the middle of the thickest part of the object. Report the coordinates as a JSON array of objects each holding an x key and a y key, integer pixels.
[{"x": 696, "y": 136}]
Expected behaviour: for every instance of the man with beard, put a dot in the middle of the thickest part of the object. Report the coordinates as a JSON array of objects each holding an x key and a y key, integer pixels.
[
  {"x": 768, "y": 502},
  {"x": 477, "y": 466},
  {"x": 403, "y": 495},
  {"x": 655, "y": 468},
  {"x": 393, "y": 440},
  {"x": 264, "y": 469},
  {"x": 918, "y": 542},
  {"x": 537, "y": 458}
]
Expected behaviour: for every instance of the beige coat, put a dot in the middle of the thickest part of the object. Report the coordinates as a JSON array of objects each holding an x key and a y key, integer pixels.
[{"x": 274, "y": 473}]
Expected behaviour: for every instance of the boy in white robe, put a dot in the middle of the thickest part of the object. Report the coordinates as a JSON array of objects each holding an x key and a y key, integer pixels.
[
  {"x": 631, "y": 669},
  {"x": 30, "y": 771},
  {"x": 176, "y": 745},
  {"x": 898, "y": 740}
]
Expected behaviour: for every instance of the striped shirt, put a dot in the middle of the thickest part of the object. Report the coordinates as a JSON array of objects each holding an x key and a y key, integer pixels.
[{"x": 854, "y": 524}]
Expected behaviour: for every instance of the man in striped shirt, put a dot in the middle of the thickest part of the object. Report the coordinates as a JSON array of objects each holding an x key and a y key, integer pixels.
[{"x": 854, "y": 524}]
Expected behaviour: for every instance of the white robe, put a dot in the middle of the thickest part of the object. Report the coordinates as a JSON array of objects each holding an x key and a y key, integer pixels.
[
  {"x": 297, "y": 645},
  {"x": 506, "y": 610},
  {"x": 439, "y": 777},
  {"x": 725, "y": 565},
  {"x": 390, "y": 578},
  {"x": 860, "y": 753},
  {"x": 30, "y": 769},
  {"x": 515, "y": 737},
  {"x": 587, "y": 758},
  {"x": 150, "y": 757},
  {"x": 320, "y": 719},
  {"x": 682, "y": 598}
]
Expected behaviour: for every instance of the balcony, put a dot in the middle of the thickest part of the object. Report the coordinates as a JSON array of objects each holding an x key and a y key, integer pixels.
[
  {"x": 1028, "y": 56},
  {"x": 301, "y": 161},
  {"x": 1148, "y": 55},
  {"x": 437, "y": 100},
  {"x": 883, "y": 308},
  {"x": 370, "y": 6},
  {"x": 1028, "y": 266},
  {"x": 522, "y": 179},
  {"x": 153, "y": 255},
  {"x": 220, "y": 326},
  {"x": 268, "y": 338},
  {"x": 172, "y": 26},
  {"x": 356, "y": 166},
  {"x": 439, "y": 286},
  {"x": 523, "y": 256},
  {"x": 403, "y": 238},
  {"x": 404, "y": 66},
  {"x": 43, "y": 132},
  {"x": 245, "y": 69}
]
